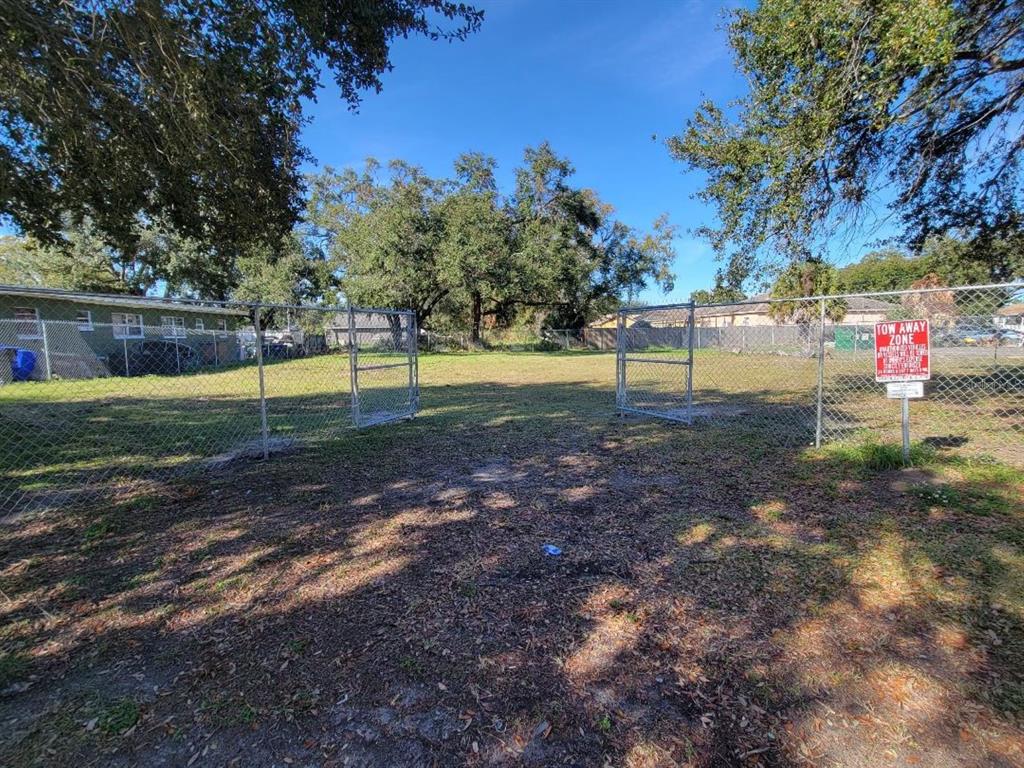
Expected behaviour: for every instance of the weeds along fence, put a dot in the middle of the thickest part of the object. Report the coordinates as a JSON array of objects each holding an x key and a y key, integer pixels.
[
  {"x": 804, "y": 368},
  {"x": 102, "y": 392}
]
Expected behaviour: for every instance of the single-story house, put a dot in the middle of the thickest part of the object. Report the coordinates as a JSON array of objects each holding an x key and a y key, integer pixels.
[
  {"x": 605, "y": 321},
  {"x": 78, "y": 335},
  {"x": 752, "y": 312},
  {"x": 373, "y": 329},
  {"x": 1009, "y": 316},
  {"x": 859, "y": 311}
]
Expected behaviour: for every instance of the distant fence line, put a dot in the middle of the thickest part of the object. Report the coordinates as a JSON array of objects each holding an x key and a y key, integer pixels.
[
  {"x": 785, "y": 336},
  {"x": 519, "y": 339}
]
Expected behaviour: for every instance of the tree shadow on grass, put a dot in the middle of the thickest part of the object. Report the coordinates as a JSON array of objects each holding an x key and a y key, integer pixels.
[
  {"x": 57, "y": 452},
  {"x": 839, "y": 621},
  {"x": 723, "y": 598}
]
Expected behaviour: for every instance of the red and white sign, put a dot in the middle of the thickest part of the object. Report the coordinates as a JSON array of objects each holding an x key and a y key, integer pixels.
[{"x": 902, "y": 351}]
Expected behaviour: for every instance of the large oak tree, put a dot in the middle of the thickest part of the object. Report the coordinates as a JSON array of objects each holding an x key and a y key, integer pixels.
[
  {"x": 183, "y": 115},
  {"x": 458, "y": 248},
  {"x": 858, "y": 104}
]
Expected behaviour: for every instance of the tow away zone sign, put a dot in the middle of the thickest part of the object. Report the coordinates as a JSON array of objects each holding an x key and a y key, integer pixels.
[{"x": 902, "y": 351}]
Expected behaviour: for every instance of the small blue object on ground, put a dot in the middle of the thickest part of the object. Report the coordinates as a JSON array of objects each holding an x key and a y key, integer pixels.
[{"x": 551, "y": 549}]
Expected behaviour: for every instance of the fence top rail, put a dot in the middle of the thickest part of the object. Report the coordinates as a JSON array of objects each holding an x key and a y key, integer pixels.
[
  {"x": 1015, "y": 286},
  {"x": 379, "y": 311},
  {"x": 208, "y": 305},
  {"x": 647, "y": 308}
]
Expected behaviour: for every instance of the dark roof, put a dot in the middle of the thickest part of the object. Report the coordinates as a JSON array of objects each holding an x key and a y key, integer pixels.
[
  {"x": 134, "y": 302},
  {"x": 759, "y": 304},
  {"x": 365, "y": 320}
]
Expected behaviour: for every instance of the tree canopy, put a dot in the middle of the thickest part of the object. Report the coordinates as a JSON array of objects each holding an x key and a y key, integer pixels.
[
  {"x": 182, "y": 115},
  {"x": 853, "y": 105},
  {"x": 287, "y": 271},
  {"x": 950, "y": 259},
  {"x": 84, "y": 262},
  {"x": 458, "y": 249},
  {"x": 719, "y": 294},
  {"x": 886, "y": 270},
  {"x": 800, "y": 280}
]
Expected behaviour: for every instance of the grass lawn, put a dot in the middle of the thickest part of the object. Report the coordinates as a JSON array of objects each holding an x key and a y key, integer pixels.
[
  {"x": 724, "y": 596},
  {"x": 61, "y": 436}
]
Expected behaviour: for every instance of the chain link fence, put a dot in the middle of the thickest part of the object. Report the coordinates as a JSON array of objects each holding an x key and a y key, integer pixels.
[
  {"x": 804, "y": 368},
  {"x": 99, "y": 394},
  {"x": 520, "y": 340}
]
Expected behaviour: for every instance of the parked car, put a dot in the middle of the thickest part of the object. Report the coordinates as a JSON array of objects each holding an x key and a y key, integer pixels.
[
  {"x": 279, "y": 344},
  {"x": 163, "y": 358},
  {"x": 279, "y": 350},
  {"x": 1011, "y": 337},
  {"x": 967, "y": 336}
]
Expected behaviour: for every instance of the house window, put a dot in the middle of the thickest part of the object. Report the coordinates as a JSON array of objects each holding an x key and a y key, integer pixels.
[
  {"x": 173, "y": 327},
  {"x": 127, "y": 325},
  {"x": 83, "y": 319},
  {"x": 222, "y": 325},
  {"x": 26, "y": 322},
  {"x": 200, "y": 325}
]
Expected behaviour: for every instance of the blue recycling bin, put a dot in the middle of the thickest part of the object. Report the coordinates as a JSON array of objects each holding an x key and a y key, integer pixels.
[{"x": 23, "y": 362}]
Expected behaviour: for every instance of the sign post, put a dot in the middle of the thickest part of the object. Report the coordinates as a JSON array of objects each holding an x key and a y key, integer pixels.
[{"x": 902, "y": 361}]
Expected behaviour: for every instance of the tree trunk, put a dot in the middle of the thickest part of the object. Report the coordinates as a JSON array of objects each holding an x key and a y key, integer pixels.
[
  {"x": 478, "y": 314},
  {"x": 395, "y": 323}
]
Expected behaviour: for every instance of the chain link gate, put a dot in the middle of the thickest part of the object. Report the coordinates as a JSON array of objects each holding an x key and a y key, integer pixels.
[
  {"x": 655, "y": 364},
  {"x": 383, "y": 365}
]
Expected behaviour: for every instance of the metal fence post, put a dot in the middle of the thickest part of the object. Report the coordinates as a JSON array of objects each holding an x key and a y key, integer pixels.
[
  {"x": 620, "y": 361},
  {"x": 46, "y": 351},
  {"x": 410, "y": 349},
  {"x": 353, "y": 363},
  {"x": 689, "y": 367},
  {"x": 415, "y": 358},
  {"x": 905, "y": 413},
  {"x": 821, "y": 374},
  {"x": 263, "y": 392}
]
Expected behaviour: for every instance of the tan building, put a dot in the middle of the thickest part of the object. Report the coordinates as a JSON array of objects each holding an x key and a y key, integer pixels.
[
  {"x": 605, "y": 321},
  {"x": 753, "y": 312},
  {"x": 859, "y": 311},
  {"x": 1012, "y": 315}
]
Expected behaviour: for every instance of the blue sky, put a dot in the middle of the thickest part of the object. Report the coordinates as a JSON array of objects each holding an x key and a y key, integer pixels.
[
  {"x": 596, "y": 79},
  {"x": 605, "y": 82}
]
